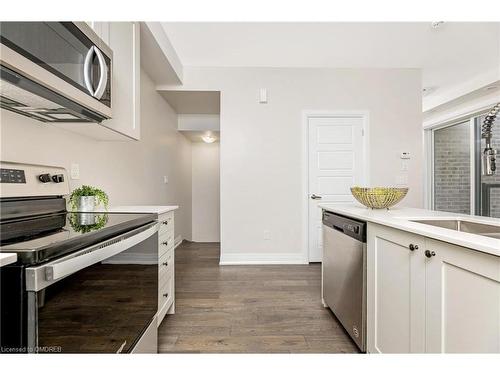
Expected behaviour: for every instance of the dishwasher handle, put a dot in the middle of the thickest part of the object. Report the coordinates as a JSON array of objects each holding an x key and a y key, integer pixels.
[{"x": 348, "y": 226}]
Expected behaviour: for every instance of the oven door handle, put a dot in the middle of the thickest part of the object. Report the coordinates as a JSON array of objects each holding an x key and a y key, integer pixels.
[
  {"x": 64, "y": 268},
  {"x": 38, "y": 278}
]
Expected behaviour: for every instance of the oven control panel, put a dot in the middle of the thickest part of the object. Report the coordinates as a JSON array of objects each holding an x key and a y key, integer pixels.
[
  {"x": 12, "y": 176},
  {"x": 27, "y": 180}
]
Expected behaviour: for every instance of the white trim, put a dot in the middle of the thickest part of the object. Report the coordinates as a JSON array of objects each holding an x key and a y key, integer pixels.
[
  {"x": 306, "y": 114},
  {"x": 472, "y": 161},
  {"x": 429, "y": 169},
  {"x": 461, "y": 113},
  {"x": 227, "y": 259}
]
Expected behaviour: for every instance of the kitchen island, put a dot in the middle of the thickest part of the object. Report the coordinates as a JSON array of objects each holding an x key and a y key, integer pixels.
[{"x": 429, "y": 289}]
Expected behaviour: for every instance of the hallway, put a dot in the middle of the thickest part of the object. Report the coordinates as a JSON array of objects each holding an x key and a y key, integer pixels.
[{"x": 247, "y": 309}]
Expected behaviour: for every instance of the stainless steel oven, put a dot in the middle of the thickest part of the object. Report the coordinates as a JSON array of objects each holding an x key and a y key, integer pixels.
[
  {"x": 55, "y": 71},
  {"x": 82, "y": 282},
  {"x": 100, "y": 299}
]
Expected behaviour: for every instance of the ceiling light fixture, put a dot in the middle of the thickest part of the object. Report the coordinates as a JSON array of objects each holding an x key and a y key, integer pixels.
[{"x": 208, "y": 138}]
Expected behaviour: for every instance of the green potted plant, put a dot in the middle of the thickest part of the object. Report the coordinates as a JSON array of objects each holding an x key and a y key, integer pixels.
[{"x": 85, "y": 198}]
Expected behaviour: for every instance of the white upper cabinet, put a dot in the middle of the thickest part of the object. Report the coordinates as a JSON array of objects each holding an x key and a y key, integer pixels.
[
  {"x": 124, "y": 39},
  {"x": 437, "y": 298}
]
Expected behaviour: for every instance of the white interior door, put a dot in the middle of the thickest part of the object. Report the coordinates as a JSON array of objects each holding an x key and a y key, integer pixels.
[{"x": 336, "y": 162}]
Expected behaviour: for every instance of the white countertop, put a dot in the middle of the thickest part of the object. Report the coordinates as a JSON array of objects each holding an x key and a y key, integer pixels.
[
  {"x": 143, "y": 209},
  {"x": 399, "y": 218},
  {"x": 7, "y": 258}
]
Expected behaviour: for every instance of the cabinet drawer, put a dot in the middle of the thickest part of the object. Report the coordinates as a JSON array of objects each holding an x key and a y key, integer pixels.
[
  {"x": 166, "y": 222},
  {"x": 165, "y": 243},
  {"x": 165, "y": 298},
  {"x": 166, "y": 266}
]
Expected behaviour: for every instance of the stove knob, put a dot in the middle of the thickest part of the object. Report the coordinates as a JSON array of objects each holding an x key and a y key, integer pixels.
[
  {"x": 58, "y": 178},
  {"x": 44, "y": 178}
]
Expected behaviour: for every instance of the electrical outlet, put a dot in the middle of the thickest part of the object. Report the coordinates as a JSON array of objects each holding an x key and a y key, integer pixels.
[
  {"x": 75, "y": 171},
  {"x": 267, "y": 235},
  {"x": 263, "y": 96},
  {"x": 404, "y": 165}
]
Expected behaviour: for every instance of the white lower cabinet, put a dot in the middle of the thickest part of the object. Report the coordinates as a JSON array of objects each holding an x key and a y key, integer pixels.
[
  {"x": 462, "y": 300},
  {"x": 166, "y": 266},
  {"x": 395, "y": 288},
  {"x": 429, "y": 296}
]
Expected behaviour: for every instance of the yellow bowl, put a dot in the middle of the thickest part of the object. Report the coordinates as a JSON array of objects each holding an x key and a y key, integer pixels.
[{"x": 378, "y": 197}]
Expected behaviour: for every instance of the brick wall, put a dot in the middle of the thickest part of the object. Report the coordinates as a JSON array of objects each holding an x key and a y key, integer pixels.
[{"x": 452, "y": 169}]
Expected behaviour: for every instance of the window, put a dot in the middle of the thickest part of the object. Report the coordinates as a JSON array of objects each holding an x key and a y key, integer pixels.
[
  {"x": 456, "y": 182},
  {"x": 452, "y": 169},
  {"x": 489, "y": 189}
]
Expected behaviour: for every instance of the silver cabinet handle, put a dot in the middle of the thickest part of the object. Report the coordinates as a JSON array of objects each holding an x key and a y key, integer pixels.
[
  {"x": 86, "y": 71},
  {"x": 103, "y": 79},
  {"x": 314, "y": 196}
]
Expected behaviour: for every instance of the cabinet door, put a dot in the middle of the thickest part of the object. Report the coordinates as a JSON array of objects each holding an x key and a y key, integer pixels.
[
  {"x": 462, "y": 300},
  {"x": 395, "y": 291},
  {"x": 124, "y": 40}
]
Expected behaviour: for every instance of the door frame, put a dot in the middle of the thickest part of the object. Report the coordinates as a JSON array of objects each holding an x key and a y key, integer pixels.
[{"x": 306, "y": 115}]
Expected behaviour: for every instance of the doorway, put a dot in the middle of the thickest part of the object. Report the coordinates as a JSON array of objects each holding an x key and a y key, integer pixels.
[{"x": 336, "y": 148}]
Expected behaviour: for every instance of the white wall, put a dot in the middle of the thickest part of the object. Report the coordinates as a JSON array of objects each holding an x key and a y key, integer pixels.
[
  {"x": 205, "y": 192},
  {"x": 130, "y": 172},
  {"x": 261, "y": 145}
]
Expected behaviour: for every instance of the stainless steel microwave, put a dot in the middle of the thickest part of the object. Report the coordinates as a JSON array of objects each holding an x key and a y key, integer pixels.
[{"x": 55, "y": 71}]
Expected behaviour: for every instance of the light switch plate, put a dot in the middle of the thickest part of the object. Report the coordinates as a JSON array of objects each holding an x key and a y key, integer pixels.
[{"x": 165, "y": 179}]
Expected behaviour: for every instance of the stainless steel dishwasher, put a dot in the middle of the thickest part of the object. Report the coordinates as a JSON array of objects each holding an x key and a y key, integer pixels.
[{"x": 344, "y": 273}]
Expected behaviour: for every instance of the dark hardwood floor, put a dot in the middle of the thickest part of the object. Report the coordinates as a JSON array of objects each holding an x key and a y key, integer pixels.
[{"x": 247, "y": 309}]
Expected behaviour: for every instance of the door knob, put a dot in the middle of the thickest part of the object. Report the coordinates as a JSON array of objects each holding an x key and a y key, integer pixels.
[
  {"x": 314, "y": 196},
  {"x": 413, "y": 247},
  {"x": 430, "y": 254}
]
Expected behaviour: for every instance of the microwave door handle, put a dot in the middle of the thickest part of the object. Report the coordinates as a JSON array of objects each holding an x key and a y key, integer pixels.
[
  {"x": 86, "y": 70},
  {"x": 103, "y": 79},
  {"x": 58, "y": 270}
]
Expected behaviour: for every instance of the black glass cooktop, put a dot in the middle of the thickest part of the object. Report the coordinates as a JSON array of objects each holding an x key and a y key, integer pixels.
[{"x": 46, "y": 237}]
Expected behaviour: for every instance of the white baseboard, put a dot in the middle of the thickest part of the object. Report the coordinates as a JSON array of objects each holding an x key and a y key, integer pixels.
[{"x": 261, "y": 258}]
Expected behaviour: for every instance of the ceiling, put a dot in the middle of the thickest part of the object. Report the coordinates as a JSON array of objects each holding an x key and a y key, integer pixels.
[
  {"x": 451, "y": 53},
  {"x": 193, "y": 102}
]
